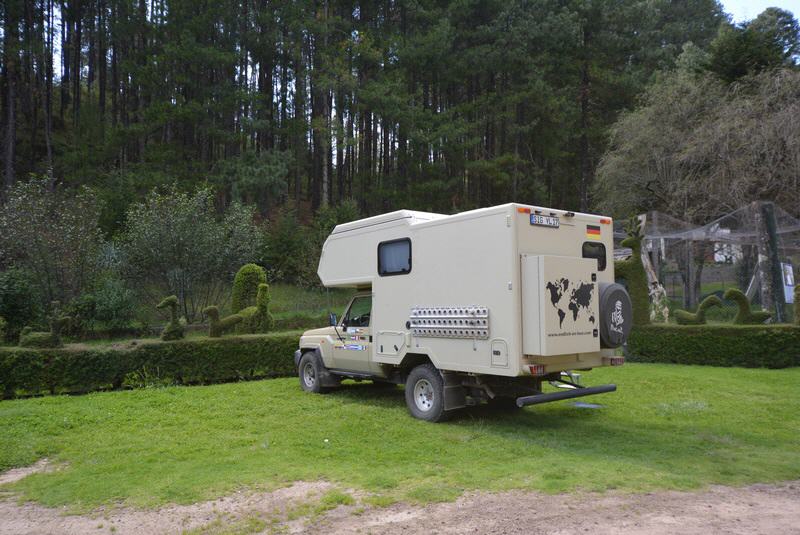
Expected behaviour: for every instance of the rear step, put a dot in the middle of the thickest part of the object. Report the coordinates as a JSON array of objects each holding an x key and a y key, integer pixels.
[{"x": 569, "y": 394}]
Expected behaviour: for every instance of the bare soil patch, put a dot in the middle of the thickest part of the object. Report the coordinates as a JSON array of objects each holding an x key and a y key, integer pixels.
[
  {"x": 15, "y": 474},
  {"x": 765, "y": 509}
]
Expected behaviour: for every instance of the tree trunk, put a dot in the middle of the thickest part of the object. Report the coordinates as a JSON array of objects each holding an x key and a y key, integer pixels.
[
  {"x": 76, "y": 65},
  {"x": 101, "y": 64},
  {"x": 48, "y": 104},
  {"x": 585, "y": 162},
  {"x": 11, "y": 56}
]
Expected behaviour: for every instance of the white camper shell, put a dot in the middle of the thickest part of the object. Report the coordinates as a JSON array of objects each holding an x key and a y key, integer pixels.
[{"x": 495, "y": 300}]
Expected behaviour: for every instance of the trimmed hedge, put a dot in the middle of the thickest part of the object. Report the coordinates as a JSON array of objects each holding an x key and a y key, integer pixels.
[
  {"x": 748, "y": 346},
  {"x": 78, "y": 368}
]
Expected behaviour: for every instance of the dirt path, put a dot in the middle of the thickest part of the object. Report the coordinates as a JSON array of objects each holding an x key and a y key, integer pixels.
[{"x": 768, "y": 509}]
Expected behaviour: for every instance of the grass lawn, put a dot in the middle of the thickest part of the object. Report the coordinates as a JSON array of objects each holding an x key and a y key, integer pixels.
[
  {"x": 287, "y": 299},
  {"x": 668, "y": 426}
]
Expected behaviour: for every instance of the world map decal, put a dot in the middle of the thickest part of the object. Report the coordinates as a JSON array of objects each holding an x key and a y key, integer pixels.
[{"x": 571, "y": 299}]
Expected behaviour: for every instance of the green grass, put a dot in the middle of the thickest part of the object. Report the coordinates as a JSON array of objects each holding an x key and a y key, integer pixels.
[
  {"x": 288, "y": 299},
  {"x": 668, "y": 427}
]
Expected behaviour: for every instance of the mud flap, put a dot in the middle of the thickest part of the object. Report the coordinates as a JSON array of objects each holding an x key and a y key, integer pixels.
[{"x": 455, "y": 395}]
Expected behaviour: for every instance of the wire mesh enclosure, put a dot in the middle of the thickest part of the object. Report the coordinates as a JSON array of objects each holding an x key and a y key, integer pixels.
[{"x": 755, "y": 249}]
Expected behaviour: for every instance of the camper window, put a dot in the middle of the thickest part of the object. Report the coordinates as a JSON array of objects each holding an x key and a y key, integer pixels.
[
  {"x": 595, "y": 250},
  {"x": 394, "y": 257}
]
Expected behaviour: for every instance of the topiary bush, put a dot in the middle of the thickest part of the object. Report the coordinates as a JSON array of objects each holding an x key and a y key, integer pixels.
[
  {"x": 2, "y": 329},
  {"x": 30, "y": 338},
  {"x": 684, "y": 317},
  {"x": 216, "y": 326},
  {"x": 749, "y": 346},
  {"x": 633, "y": 274},
  {"x": 245, "y": 286},
  {"x": 173, "y": 330},
  {"x": 78, "y": 369},
  {"x": 745, "y": 316},
  {"x": 257, "y": 319}
]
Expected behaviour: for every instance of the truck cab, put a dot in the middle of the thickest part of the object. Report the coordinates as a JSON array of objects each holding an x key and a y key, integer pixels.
[{"x": 482, "y": 306}]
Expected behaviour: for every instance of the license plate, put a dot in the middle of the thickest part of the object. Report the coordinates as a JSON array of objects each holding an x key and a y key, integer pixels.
[{"x": 545, "y": 220}]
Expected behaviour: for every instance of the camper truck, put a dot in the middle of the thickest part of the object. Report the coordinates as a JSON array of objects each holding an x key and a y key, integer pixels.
[{"x": 482, "y": 306}]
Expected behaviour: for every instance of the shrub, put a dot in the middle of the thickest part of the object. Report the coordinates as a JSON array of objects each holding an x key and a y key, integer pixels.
[
  {"x": 797, "y": 304},
  {"x": 2, "y": 329},
  {"x": 176, "y": 243},
  {"x": 173, "y": 330},
  {"x": 257, "y": 318},
  {"x": 684, "y": 317},
  {"x": 749, "y": 346},
  {"x": 53, "y": 234},
  {"x": 77, "y": 369},
  {"x": 52, "y": 338},
  {"x": 115, "y": 306},
  {"x": 633, "y": 274},
  {"x": 82, "y": 311},
  {"x": 744, "y": 315},
  {"x": 245, "y": 286},
  {"x": 217, "y": 326},
  {"x": 19, "y": 303}
]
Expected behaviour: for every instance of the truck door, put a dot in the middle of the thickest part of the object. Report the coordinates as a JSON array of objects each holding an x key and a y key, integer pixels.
[{"x": 354, "y": 352}]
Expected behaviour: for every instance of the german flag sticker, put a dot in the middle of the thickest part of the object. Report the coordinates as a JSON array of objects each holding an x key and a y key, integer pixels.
[{"x": 593, "y": 232}]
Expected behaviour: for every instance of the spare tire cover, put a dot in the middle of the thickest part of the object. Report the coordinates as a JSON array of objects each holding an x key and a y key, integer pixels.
[{"x": 616, "y": 315}]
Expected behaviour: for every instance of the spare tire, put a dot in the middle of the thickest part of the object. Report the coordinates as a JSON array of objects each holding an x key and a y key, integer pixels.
[{"x": 616, "y": 315}]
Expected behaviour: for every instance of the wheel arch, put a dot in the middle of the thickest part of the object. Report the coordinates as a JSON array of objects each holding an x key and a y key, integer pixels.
[{"x": 411, "y": 361}]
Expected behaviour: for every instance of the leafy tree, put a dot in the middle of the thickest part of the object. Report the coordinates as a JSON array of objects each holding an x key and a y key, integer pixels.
[
  {"x": 52, "y": 233},
  {"x": 440, "y": 105},
  {"x": 176, "y": 243},
  {"x": 770, "y": 40},
  {"x": 19, "y": 304},
  {"x": 698, "y": 149}
]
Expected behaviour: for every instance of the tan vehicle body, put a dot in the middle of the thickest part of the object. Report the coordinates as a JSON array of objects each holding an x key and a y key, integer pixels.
[{"x": 477, "y": 297}]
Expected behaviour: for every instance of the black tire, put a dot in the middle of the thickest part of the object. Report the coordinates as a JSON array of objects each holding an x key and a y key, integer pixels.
[
  {"x": 310, "y": 373},
  {"x": 425, "y": 393}
]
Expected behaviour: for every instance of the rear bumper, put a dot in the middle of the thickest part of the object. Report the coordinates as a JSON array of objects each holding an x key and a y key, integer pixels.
[
  {"x": 297, "y": 355},
  {"x": 568, "y": 394}
]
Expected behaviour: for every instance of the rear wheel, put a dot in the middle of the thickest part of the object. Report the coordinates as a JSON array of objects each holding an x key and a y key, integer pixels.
[
  {"x": 310, "y": 373},
  {"x": 425, "y": 393}
]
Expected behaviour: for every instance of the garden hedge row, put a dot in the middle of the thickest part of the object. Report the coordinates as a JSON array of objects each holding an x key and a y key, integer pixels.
[
  {"x": 748, "y": 346},
  {"x": 79, "y": 368}
]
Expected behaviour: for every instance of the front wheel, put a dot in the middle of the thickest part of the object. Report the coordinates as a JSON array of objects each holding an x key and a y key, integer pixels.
[
  {"x": 310, "y": 370},
  {"x": 425, "y": 393}
]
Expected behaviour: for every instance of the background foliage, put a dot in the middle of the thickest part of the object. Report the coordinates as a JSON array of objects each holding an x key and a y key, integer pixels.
[
  {"x": 174, "y": 243},
  {"x": 190, "y": 361},
  {"x": 748, "y": 346},
  {"x": 153, "y": 147}
]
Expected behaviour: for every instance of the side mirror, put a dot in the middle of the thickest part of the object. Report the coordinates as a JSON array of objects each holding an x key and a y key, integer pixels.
[{"x": 332, "y": 321}]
